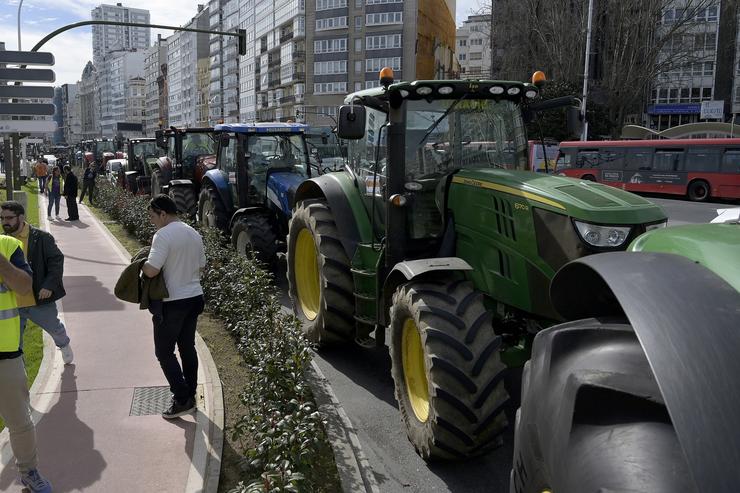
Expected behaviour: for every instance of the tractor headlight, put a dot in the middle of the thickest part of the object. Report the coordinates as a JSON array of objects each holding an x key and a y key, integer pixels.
[{"x": 603, "y": 236}]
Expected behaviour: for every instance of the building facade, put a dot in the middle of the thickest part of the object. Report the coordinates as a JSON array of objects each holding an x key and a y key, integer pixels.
[
  {"x": 154, "y": 59},
  {"x": 184, "y": 51},
  {"x": 223, "y": 88},
  {"x": 89, "y": 96},
  {"x": 474, "y": 47},
  {"x": 120, "y": 70},
  {"x": 107, "y": 39},
  {"x": 71, "y": 125}
]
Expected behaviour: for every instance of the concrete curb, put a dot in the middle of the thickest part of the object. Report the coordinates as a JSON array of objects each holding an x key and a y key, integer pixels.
[
  {"x": 355, "y": 472},
  {"x": 205, "y": 467}
]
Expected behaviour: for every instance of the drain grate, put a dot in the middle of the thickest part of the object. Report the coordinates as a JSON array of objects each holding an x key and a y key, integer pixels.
[{"x": 150, "y": 401}]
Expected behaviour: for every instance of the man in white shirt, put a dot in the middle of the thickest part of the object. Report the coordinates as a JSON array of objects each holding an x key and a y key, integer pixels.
[{"x": 177, "y": 251}]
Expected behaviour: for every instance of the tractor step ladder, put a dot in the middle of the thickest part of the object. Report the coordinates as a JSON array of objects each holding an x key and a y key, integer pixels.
[{"x": 365, "y": 289}]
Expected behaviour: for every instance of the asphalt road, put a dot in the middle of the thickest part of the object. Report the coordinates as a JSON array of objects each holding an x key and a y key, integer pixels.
[{"x": 361, "y": 381}]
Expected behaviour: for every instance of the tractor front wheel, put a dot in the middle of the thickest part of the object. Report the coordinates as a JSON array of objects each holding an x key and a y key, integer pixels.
[
  {"x": 211, "y": 211},
  {"x": 319, "y": 278},
  {"x": 253, "y": 236},
  {"x": 447, "y": 370},
  {"x": 184, "y": 198}
]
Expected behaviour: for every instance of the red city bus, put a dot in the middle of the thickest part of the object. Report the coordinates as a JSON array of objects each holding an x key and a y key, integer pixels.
[{"x": 697, "y": 168}]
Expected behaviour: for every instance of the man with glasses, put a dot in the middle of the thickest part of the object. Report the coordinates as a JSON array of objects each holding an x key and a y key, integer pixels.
[
  {"x": 15, "y": 401},
  {"x": 47, "y": 263}
]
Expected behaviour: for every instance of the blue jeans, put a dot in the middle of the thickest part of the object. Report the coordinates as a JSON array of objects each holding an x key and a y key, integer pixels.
[
  {"x": 46, "y": 317},
  {"x": 54, "y": 199}
]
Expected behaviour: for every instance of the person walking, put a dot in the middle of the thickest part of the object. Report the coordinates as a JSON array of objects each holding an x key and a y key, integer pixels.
[
  {"x": 54, "y": 189},
  {"x": 47, "y": 264},
  {"x": 42, "y": 172},
  {"x": 88, "y": 183},
  {"x": 70, "y": 193},
  {"x": 15, "y": 404},
  {"x": 177, "y": 250}
]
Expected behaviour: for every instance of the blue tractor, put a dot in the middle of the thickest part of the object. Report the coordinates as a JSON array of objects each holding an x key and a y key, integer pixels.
[{"x": 249, "y": 194}]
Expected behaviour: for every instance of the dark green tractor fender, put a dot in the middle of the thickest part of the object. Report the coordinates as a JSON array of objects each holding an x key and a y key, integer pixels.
[{"x": 687, "y": 321}]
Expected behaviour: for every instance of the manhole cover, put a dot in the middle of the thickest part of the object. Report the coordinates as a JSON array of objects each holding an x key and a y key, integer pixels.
[{"x": 149, "y": 401}]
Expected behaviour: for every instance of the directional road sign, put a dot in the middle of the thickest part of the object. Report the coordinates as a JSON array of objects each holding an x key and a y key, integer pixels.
[
  {"x": 27, "y": 92},
  {"x": 26, "y": 57},
  {"x": 34, "y": 109},
  {"x": 27, "y": 74}
]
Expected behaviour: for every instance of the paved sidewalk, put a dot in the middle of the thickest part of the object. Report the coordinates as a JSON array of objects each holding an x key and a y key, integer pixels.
[{"x": 89, "y": 436}]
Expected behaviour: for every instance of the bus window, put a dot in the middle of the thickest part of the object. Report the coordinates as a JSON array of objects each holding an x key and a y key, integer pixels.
[
  {"x": 668, "y": 160},
  {"x": 703, "y": 159},
  {"x": 731, "y": 161},
  {"x": 587, "y": 159},
  {"x": 638, "y": 159},
  {"x": 611, "y": 159},
  {"x": 565, "y": 159}
]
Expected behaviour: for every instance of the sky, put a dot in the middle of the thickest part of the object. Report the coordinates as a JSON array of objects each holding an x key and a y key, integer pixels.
[{"x": 73, "y": 49}]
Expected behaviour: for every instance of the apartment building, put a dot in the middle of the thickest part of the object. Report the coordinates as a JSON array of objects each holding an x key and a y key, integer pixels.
[
  {"x": 120, "y": 71},
  {"x": 474, "y": 47},
  {"x": 184, "y": 52},
  {"x": 89, "y": 96},
  {"x": 107, "y": 39},
  {"x": 71, "y": 122},
  {"x": 223, "y": 89},
  {"x": 155, "y": 59}
]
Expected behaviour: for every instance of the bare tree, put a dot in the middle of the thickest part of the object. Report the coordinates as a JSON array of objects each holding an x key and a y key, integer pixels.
[{"x": 638, "y": 43}]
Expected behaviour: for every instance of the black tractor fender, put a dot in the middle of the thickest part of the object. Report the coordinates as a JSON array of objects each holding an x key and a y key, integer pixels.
[
  {"x": 409, "y": 270},
  {"x": 240, "y": 213},
  {"x": 328, "y": 187},
  {"x": 687, "y": 320}
]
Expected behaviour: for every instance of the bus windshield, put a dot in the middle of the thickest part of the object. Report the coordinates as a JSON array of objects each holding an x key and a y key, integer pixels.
[{"x": 476, "y": 133}]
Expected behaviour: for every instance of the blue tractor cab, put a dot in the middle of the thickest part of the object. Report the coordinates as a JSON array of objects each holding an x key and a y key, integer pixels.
[{"x": 249, "y": 195}]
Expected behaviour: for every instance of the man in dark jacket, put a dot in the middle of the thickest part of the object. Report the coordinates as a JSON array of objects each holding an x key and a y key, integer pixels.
[
  {"x": 70, "y": 193},
  {"x": 88, "y": 183},
  {"x": 47, "y": 263}
]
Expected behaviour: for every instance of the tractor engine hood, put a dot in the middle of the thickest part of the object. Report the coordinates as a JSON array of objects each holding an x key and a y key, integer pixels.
[
  {"x": 582, "y": 200},
  {"x": 281, "y": 189}
]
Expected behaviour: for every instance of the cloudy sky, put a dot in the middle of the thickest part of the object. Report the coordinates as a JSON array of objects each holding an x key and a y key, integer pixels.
[{"x": 73, "y": 49}]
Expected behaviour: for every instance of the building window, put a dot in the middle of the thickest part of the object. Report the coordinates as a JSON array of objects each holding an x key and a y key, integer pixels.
[
  {"x": 330, "y": 88},
  {"x": 330, "y": 45},
  {"x": 330, "y": 67},
  {"x": 330, "y": 4},
  {"x": 476, "y": 42},
  {"x": 331, "y": 23},
  {"x": 358, "y": 86},
  {"x": 358, "y": 23},
  {"x": 369, "y": 84},
  {"x": 358, "y": 66},
  {"x": 358, "y": 44},
  {"x": 383, "y": 42},
  {"x": 384, "y": 18},
  {"x": 462, "y": 42},
  {"x": 461, "y": 56},
  {"x": 376, "y": 2},
  {"x": 374, "y": 65}
]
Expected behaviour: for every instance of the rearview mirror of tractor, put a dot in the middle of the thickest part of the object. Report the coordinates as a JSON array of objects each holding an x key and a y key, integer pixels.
[
  {"x": 574, "y": 121},
  {"x": 351, "y": 122},
  {"x": 161, "y": 139}
]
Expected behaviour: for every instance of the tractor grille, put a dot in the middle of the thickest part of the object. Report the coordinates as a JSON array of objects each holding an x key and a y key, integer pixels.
[{"x": 504, "y": 218}]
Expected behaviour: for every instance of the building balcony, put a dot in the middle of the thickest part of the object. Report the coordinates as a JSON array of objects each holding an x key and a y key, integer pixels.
[
  {"x": 286, "y": 37},
  {"x": 299, "y": 54},
  {"x": 298, "y": 98},
  {"x": 273, "y": 83},
  {"x": 287, "y": 100}
]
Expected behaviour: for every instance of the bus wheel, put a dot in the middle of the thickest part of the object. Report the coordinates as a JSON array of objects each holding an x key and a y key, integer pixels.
[
  {"x": 698, "y": 191},
  {"x": 588, "y": 178}
]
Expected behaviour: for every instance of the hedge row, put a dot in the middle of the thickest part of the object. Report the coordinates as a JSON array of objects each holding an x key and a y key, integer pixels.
[{"x": 283, "y": 421}]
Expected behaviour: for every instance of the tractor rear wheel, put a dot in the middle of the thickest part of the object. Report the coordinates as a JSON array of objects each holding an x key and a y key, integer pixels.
[
  {"x": 184, "y": 198},
  {"x": 447, "y": 370},
  {"x": 592, "y": 417},
  {"x": 253, "y": 236},
  {"x": 319, "y": 278},
  {"x": 211, "y": 211},
  {"x": 156, "y": 182}
]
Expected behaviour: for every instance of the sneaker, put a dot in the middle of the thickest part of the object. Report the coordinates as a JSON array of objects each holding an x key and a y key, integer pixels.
[
  {"x": 67, "y": 354},
  {"x": 176, "y": 409},
  {"x": 58, "y": 216},
  {"x": 49, "y": 218},
  {"x": 35, "y": 482}
]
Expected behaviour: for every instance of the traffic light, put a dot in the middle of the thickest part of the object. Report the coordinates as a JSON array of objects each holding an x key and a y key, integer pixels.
[{"x": 242, "y": 41}]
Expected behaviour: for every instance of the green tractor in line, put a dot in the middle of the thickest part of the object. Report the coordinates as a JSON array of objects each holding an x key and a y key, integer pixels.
[
  {"x": 638, "y": 391},
  {"x": 437, "y": 230}
]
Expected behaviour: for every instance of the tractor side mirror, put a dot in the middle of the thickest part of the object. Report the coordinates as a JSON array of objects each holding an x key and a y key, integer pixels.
[
  {"x": 225, "y": 140},
  {"x": 161, "y": 139},
  {"x": 351, "y": 122},
  {"x": 574, "y": 121}
]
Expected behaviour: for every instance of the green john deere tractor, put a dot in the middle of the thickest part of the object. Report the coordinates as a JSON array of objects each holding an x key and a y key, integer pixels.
[
  {"x": 437, "y": 230},
  {"x": 638, "y": 390}
]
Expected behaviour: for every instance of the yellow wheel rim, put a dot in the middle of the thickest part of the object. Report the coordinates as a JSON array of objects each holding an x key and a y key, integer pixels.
[
  {"x": 307, "y": 274},
  {"x": 414, "y": 374}
]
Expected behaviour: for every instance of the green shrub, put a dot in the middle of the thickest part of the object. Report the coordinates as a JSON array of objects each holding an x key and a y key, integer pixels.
[{"x": 283, "y": 419}]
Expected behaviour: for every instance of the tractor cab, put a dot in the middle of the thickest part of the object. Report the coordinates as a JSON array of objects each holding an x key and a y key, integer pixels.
[
  {"x": 250, "y": 193},
  {"x": 142, "y": 155}
]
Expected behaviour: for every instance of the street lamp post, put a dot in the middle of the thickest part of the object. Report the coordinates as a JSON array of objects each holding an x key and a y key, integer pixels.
[
  {"x": 584, "y": 135},
  {"x": 20, "y": 4}
]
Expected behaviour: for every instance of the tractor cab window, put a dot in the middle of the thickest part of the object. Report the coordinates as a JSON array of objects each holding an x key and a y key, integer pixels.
[
  {"x": 227, "y": 162},
  {"x": 270, "y": 153},
  {"x": 446, "y": 135},
  {"x": 195, "y": 146}
]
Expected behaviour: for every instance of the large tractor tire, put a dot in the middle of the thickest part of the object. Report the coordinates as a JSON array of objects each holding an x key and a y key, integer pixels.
[
  {"x": 156, "y": 182},
  {"x": 253, "y": 236},
  {"x": 211, "y": 210},
  {"x": 184, "y": 198},
  {"x": 592, "y": 417},
  {"x": 447, "y": 370},
  {"x": 319, "y": 278}
]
